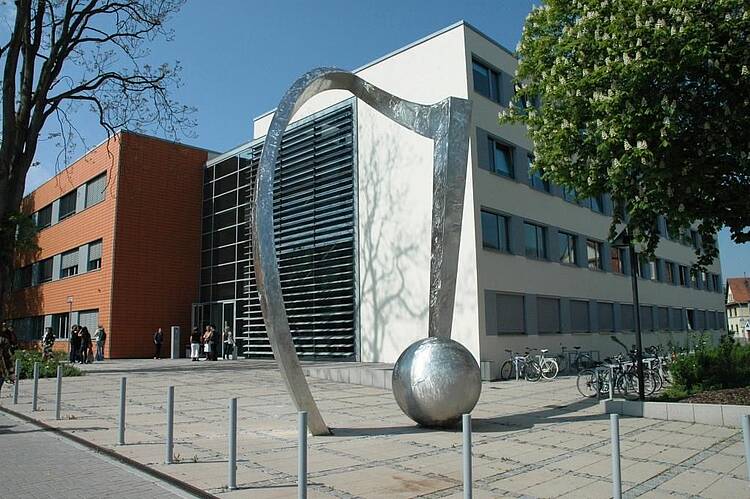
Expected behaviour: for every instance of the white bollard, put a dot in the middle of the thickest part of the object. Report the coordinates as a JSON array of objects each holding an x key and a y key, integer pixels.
[
  {"x": 36, "y": 387},
  {"x": 746, "y": 438},
  {"x": 59, "y": 393},
  {"x": 169, "y": 450},
  {"x": 232, "y": 482},
  {"x": 121, "y": 421},
  {"x": 614, "y": 423},
  {"x": 611, "y": 382},
  {"x": 466, "y": 424},
  {"x": 302, "y": 455}
]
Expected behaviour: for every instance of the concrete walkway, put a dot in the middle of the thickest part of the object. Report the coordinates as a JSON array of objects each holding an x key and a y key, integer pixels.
[
  {"x": 531, "y": 440},
  {"x": 39, "y": 464}
]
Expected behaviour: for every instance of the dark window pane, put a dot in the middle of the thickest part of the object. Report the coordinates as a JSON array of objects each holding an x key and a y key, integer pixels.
[
  {"x": 481, "y": 79},
  {"x": 548, "y": 315},
  {"x": 490, "y": 236},
  {"x": 579, "y": 316},
  {"x": 616, "y": 258},
  {"x": 567, "y": 247},
  {"x": 627, "y": 317},
  {"x": 502, "y": 159},
  {"x": 594, "y": 254},
  {"x": 535, "y": 241},
  {"x": 510, "y": 314},
  {"x": 226, "y": 167},
  {"x": 44, "y": 217},
  {"x": 226, "y": 184},
  {"x": 606, "y": 317},
  {"x": 67, "y": 205},
  {"x": 225, "y": 201}
]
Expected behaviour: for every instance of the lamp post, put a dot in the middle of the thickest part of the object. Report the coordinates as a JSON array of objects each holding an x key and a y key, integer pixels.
[
  {"x": 623, "y": 240},
  {"x": 70, "y": 314}
]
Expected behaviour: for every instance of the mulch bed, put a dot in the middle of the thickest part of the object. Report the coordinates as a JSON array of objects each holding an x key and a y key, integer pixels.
[{"x": 734, "y": 396}]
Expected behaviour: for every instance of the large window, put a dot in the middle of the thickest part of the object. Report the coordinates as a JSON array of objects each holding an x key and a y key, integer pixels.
[
  {"x": 567, "y": 247},
  {"x": 627, "y": 317},
  {"x": 44, "y": 217},
  {"x": 69, "y": 263},
  {"x": 535, "y": 178},
  {"x": 95, "y": 190},
  {"x": 510, "y": 314},
  {"x": 45, "y": 270},
  {"x": 68, "y": 205},
  {"x": 22, "y": 277},
  {"x": 501, "y": 156},
  {"x": 535, "y": 239},
  {"x": 95, "y": 255},
  {"x": 647, "y": 318},
  {"x": 594, "y": 254},
  {"x": 487, "y": 81},
  {"x": 617, "y": 258},
  {"x": 548, "y": 315},
  {"x": 494, "y": 231},
  {"x": 579, "y": 316},
  {"x": 606, "y": 316}
]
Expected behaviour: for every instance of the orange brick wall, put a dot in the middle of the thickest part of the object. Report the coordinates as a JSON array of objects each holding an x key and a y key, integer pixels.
[
  {"x": 158, "y": 242},
  {"x": 90, "y": 290}
]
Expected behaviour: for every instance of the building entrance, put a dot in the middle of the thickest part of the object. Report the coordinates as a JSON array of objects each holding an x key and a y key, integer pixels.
[{"x": 220, "y": 315}]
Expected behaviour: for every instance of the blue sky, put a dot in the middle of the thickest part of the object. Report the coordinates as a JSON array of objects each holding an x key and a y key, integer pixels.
[{"x": 239, "y": 56}]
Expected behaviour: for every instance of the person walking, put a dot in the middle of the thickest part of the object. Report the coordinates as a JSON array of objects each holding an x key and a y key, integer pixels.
[
  {"x": 228, "y": 342},
  {"x": 87, "y": 350},
  {"x": 158, "y": 340},
  {"x": 8, "y": 343},
  {"x": 75, "y": 344},
  {"x": 195, "y": 344},
  {"x": 48, "y": 341},
  {"x": 100, "y": 336}
]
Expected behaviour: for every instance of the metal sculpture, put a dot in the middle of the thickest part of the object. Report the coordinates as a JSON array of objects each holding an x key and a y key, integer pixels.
[
  {"x": 447, "y": 123},
  {"x": 436, "y": 381}
]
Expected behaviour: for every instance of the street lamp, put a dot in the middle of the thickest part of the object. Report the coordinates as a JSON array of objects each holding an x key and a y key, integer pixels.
[
  {"x": 70, "y": 312},
  {"x": 623, "y": 240}
]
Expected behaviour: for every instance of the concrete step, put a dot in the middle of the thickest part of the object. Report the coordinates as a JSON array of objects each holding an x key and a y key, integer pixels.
[{"x": 377, "y": 375}]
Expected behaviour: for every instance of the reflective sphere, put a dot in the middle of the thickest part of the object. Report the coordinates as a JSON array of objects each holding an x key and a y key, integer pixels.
[{"x": 435, "y": 381}]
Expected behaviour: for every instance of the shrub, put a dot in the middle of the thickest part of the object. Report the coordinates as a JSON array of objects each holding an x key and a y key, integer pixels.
[
  {"x": 712, "y": 368},
  {"x": 48, "y": 368}
]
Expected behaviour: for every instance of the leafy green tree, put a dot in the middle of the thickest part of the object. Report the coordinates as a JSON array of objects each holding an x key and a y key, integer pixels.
[{"x": 648, "y": 100}]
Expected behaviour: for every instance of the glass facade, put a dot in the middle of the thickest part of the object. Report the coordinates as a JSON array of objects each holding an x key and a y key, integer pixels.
[{"x": 314, "y": 219}]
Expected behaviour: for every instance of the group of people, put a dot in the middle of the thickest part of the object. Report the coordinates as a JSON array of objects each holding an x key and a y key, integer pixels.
[
  {"x": 81, "y": 344},
  {"x": 209, "y": 339}
]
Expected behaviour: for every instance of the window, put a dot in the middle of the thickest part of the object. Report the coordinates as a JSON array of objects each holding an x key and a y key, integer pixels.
[
  {"x": 45, "y": 270},
  {"x": 606, "y": 316},
  {"x": 501, "y": 158},
  {"x": 653, "y": 271},
  {"x": 68, "y": 205},
  {"x": 535, "y": 178},
  {"x": 494, "y": 231},
  {"x": 486, "y": 81},
  {"x": 569, "y": 195},
  {"x": 22, "y": 277},
  {"x": 670, "y": 272},
  {"x": 715, "y": 280},
  {"x": 678, "y": 319},
  {"x": 44, "y": 217},
  {"x": 627, "y": 316},
  {"x": 596, "y": 203},
  {"x": 617, "y": 256},
  {"x": 579, "y": 316},
  {"x": 510, "y": 314},
  {"x": 95, "y": 255},
  {"x": 693, "y": 279},
  {"x": 548, "y": 315},
  {"x": 60, "y": 324},
  {"x": 594, "y": 254},
  {"x": 647, "y": 318},
  {"x": 694, "y": 239},
  {"x": 535, "y": 241},
  {"x": 95, "y": 190},
  {"x": 704, "y": 280},
  {"x": 69, "y": 263},
  {"x": 683, "y": 275},
  {"x": 567, "y": 247}
]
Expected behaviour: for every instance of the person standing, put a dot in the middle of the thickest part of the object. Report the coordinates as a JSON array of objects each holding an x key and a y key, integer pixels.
[
  {"x": 228, "y": 342},
  {"x": 48, "y": 341},
  {"x": 8, "y": 343},
  {"x": 100, "y": 336},
  {"x": 195, "y": 344},
  {"x": 208, "y": 343},
  {"x": 87, "y": 351},
  {"x": 75, "y": 344},
  {"x": 158, "y": 340}
]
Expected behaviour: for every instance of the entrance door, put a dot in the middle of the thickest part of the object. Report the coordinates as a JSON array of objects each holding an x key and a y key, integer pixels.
[{"x": 218, "y": 314}]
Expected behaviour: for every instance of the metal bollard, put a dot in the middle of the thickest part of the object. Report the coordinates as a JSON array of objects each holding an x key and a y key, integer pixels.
[
  {"x": 232, "y": 485},
  {"x": 36, "y": 387},
  {"x": 302, "y": 455},
  {"x": 746, "y": 437},
  {"x": 611, "y": 382},
  {"x": 59, "y": 393},
  {"x": 515, "y": 361},
  {"x": 467, "y": 455},
  {"x": 121, "y": 422},
  {"x": 614, "y": 424},
  {"x": 169, "y": 451},
  {"x": 18, "y": 381}
]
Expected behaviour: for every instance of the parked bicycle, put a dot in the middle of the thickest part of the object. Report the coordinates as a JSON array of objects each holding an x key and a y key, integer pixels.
[
  {"x": 548, "y": 365},
  {"x": 520, "y": 366}
]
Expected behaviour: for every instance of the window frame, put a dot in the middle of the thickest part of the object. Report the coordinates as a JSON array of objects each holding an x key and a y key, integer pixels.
[
  {"x": 71, "y": 270},
  {"x": 617, "y": 254},
  {"x": 599, "y": 248},
  {"x": 495, "y": 144},
  {"x": 97, "y": 262},
  {"x": 567, "y": 246},
  {"x": 503, "y": 239},
  {"x": 494, "y": 80},
  {"x": 541, "y": 249}
]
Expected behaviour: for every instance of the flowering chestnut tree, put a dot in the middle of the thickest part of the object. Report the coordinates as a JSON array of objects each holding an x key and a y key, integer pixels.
[{"x": 648, "y": 100}]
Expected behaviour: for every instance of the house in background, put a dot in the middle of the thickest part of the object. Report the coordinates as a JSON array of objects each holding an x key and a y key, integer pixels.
[{"x": 738, "y": 307}]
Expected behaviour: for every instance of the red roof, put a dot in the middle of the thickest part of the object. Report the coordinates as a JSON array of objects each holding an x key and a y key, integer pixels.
[{"x": 740, "y": 287}]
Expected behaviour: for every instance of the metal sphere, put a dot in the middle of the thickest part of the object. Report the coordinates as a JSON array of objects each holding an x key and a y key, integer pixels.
[{"x": 435, "y": 381}]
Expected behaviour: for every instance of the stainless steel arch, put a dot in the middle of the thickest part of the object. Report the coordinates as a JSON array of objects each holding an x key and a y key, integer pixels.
[{"x": 447, "y": 123}]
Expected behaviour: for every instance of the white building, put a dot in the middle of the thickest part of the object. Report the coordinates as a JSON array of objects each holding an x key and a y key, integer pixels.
[
  {"x": 738, "y": 307},
  {"x": 535, "y": 269}
]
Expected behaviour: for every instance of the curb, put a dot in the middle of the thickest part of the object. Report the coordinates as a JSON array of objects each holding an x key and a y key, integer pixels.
[{"x": 179, "y": 484}]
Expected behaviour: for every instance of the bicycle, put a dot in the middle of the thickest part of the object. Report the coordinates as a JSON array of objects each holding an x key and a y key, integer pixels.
[
  {"x": 521, "y": 366},
  {"x": 548, "y": 365},
  {"x": 580, "y": 360}
]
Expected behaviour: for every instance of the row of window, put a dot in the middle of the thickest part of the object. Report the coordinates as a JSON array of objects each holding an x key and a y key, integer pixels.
[
  {"x": 496, "y": 235},
  {"x": 529, "y": 314},
  {"x": 92, "y": 192},
  {"x": 32, "y": 328},
  {"x": 70, "y": 263}
]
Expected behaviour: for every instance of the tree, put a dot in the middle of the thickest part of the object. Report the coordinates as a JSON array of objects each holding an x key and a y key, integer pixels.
[
  {"x": 64, "y": 56},
  {"x": 648, "y": 100}
]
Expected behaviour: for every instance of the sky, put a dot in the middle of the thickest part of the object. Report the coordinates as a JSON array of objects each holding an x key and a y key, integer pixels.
[{"x": 240, "y": 56}]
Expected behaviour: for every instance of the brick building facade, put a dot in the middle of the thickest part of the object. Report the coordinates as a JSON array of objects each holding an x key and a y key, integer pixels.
[{"x": 116, "y": 247}]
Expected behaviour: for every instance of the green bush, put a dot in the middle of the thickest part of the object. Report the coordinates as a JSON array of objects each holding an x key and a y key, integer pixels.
[
  {"x": 712, "y": 368},
  {"x": 48, "y": 368}
]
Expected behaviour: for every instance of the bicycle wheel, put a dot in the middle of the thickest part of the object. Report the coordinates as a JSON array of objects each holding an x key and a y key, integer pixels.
[
  {"x": 532, "y": 371},
  {"x": 651, "y": 382},
  {"x": 549, "y": 369},
  {"x": 628, "y": 385},
  {"x": 587, "y": 383},
  {"x": 507, "y": 370}
]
